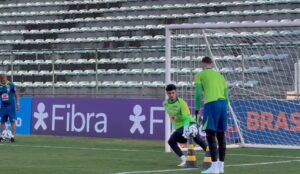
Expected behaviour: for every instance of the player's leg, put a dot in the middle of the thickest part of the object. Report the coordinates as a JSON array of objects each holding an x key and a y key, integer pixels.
[
  {"x": 222, "y": 150},
  {"x": 173, "y": 141},
  {"x": 210, "y": 128},
  {"x": 12, "y": 118},
  {"x": 13, "y": 130},
  {"x": 3, "y": 126},
  {"x": 221, "y": 128},
  {"x": 212, "y": 143},
  {"x": 211, "y": 119},
  {"x": 4, "y": 118},
  {"x": 198, "y": 140}
]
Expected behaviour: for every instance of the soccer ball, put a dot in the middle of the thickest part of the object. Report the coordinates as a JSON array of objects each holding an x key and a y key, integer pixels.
[
  {"x": 6, "y": 135},
  {"x": 193, "y": 130},
  {"x": 202, "y": 133}
]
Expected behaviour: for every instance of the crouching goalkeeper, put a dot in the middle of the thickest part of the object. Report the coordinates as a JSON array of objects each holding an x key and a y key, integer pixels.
[{"x": 183, "y": 122}]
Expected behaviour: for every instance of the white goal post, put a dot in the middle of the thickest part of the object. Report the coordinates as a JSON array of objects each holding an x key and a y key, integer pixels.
[{"x": 258, "y": 60}]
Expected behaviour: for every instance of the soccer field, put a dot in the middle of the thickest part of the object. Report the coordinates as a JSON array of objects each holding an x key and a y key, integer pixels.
[{"x": 63, "y": 155}]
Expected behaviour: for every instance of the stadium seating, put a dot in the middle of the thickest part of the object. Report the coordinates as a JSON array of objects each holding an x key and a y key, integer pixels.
[
  {"x": 119, "y": 84},
  {"x": 132, "y": 8},
  {"x": 113, "y": 44},
  {"x": 157, "y": 17}
]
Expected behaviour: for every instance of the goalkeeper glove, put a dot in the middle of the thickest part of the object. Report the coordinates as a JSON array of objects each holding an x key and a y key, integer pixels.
[
  {"x": 186, "y": 132},
  {"x": 193, "y": 130}
]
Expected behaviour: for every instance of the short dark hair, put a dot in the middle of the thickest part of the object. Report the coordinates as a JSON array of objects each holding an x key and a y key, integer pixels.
[
  {"x": 2, "y": 75},
  {"x": 170, "y": 87},
  {"x": 206, "y": 60}
]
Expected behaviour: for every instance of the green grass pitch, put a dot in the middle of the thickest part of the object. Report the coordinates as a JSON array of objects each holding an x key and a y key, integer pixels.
[{"x": 72, "y": 155}]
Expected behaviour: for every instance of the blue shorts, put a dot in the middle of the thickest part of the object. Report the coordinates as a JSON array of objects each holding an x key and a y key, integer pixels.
[
  {"x": 215, "y": 116},
  {"x": 8, "y": 113}
]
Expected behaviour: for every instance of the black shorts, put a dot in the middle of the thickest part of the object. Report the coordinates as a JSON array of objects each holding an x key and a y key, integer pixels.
[{"x": 177, "y": 136}]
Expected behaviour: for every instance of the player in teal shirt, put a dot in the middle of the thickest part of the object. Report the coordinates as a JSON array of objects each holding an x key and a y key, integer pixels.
[
  {"x": 182, "y": 121},
  {"x": 213, "y": 86},
  {"x": 9, "y": 104}
]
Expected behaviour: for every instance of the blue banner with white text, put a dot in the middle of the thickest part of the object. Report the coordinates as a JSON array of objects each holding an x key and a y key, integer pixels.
[
  {"x": 23, "y": 122},
  {"x": 269, "y": 121}
]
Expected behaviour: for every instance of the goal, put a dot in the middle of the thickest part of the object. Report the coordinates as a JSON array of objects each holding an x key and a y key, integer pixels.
[{"x": 260, "y": 61}]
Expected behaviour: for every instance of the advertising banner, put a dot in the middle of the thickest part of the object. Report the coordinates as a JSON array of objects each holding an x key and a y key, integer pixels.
[
  {"x": 111, "y": 118},
  {"x": 261, "y": 121},
  {"x": 23, "y": 122},
  {"x": 269, "y": 121}
]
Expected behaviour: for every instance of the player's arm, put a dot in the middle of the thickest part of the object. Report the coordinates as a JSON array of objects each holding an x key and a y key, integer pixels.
[
  {"x": 17, "y": 98},
  {"x": 198, "y": 95},
  {"x": 227, "y": 95}
]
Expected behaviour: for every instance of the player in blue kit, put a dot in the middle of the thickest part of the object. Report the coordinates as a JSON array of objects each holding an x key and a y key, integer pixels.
[{"x": 10, "y": 102}]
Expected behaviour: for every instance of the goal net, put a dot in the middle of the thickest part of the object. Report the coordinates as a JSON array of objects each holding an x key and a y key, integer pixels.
[{"x": 260, "y": 62}]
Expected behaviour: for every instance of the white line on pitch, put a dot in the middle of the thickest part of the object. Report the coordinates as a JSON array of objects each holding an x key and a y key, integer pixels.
[
  {"x": 135, "y": 150},
  {"x": 262, "y": 163},
  {"x": 159, "y": 171},
  {"x": 78, "y": 148},
  {"x": 265, "y": 156},
  {"x": 233, "y": 165}
]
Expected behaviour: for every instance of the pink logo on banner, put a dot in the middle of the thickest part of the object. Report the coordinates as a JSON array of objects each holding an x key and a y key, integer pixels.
[{"x": 113, "y": 118}]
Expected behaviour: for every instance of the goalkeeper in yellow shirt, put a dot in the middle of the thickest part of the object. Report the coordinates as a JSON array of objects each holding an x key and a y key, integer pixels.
[{"x": 183, "y": 122}]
